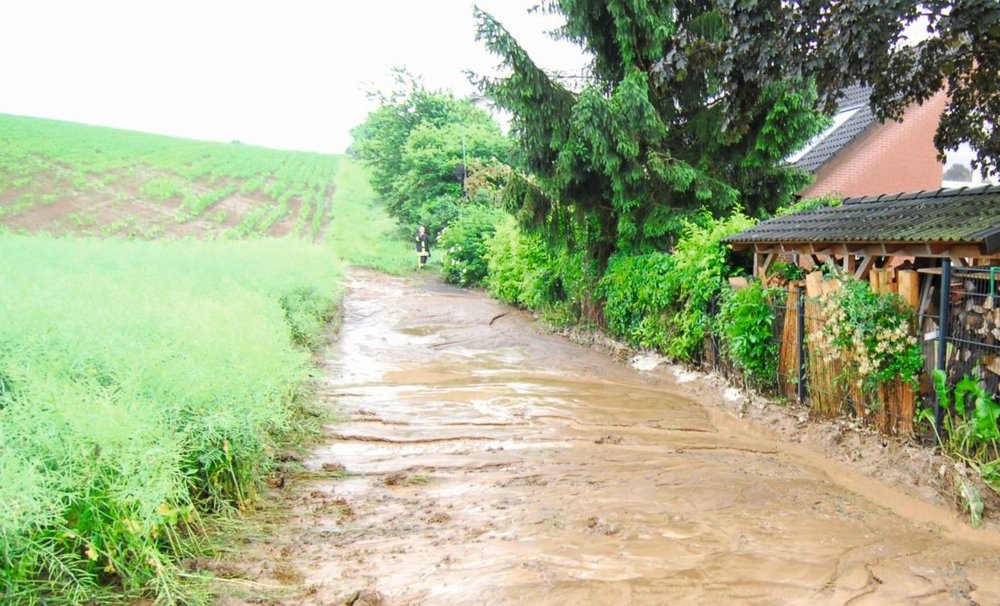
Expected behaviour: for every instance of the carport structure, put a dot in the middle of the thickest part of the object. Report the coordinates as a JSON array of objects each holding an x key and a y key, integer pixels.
[
  {"x": 961, "y": 225},
  {"x": 910, "y": 244}
]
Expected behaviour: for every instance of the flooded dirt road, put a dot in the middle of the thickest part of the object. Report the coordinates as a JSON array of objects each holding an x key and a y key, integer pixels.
[{"x": 488, "y": 462}]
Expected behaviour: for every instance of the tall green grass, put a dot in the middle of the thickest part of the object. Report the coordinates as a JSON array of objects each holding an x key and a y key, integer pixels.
[
  {"x": 361, "y": 231},
  {"x": 141, "y": 385}
]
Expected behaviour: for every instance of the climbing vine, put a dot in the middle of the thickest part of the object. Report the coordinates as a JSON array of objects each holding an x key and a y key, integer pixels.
[{"x": 870, "y": 334}]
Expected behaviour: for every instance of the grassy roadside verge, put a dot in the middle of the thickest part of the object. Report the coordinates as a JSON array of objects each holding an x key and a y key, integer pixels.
[
  {"x": 361, "y": 232},
  {"x": 143, "y": 385}
]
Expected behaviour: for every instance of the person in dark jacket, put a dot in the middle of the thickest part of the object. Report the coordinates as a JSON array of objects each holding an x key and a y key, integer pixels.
[{"x": 423, "y": 247}]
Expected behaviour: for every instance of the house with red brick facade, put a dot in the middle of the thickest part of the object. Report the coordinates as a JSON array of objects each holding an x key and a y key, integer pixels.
[{"x": 857, "y": 155}]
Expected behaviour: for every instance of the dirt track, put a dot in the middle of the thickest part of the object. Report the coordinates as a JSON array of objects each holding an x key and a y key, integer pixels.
[{"x": 489, "y": 462}]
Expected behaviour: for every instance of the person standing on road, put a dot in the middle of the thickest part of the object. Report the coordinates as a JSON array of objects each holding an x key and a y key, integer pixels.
[{"x": 423, "y": 247}]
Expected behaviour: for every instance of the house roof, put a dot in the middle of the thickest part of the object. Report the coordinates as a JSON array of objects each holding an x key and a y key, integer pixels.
[
  {"x": 856, "y": 99},
  {"x": 967, "y": 215}
]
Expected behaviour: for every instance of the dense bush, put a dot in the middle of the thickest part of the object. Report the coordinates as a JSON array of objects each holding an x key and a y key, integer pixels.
[
  {"x": 525, "y": 270},
  {"x": 464, "y": 244},
  {"x": 661, "y": 300},
  {"x": 636, "y": 302},
  {"x": 746, "y": 326},
  {"x": 700, "y": 269},
  {"x": 142, "y": 384},
  {"x": 520, "y": 267}
]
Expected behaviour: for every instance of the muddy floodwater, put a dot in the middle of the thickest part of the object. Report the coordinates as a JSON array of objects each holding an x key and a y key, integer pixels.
[{"x": 482, "y": 460}]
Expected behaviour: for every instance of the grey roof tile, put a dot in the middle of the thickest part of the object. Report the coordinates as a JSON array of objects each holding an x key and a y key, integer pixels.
[
  {"x": 962, "y": 215},
  {"x": 855, "y": 96}
]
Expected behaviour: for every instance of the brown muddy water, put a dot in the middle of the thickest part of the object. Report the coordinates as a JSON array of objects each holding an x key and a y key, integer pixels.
[{"x": 489, "y": 462}]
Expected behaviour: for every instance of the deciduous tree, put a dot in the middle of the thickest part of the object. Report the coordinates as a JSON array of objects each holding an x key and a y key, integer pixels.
[
  {"x": 836, "y": 43},
  {"x": 415, "y": 144}
]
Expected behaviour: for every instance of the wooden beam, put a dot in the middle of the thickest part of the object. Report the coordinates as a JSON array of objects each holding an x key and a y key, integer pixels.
[
  {"x": 925, "y": 292},
  {"x": 762, "y": 262},
  {"x": 830, "y": 250},
  {"x": 850, "y": 261},
  {"x": 866, "y": 264},
  {"x": 767, "y": 264},
  {"x": 877, "y": 279},
  {"x": 938, "y": 248},
  {"x": 814, "y": 284}
]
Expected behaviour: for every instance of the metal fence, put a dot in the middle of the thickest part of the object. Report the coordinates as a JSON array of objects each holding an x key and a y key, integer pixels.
[{"x": 969, "y": 309}]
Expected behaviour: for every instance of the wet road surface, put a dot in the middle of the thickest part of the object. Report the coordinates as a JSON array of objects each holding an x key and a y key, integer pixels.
[{"x": 489, "y": 462}]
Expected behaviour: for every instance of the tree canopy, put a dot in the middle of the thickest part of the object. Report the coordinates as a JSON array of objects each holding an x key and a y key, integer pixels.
[
  {"x": 695, "y": 103},
  {"x": 834, "y": 44},
  {"x": 619, "y": 162},
  {"x": 415, "y": 144}
]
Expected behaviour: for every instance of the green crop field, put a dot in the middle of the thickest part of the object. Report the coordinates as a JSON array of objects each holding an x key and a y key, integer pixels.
[
  {"x": 63, "y": 177},
  {"x": 141, "y": 384},
  {"x": 155, "y": 338}
]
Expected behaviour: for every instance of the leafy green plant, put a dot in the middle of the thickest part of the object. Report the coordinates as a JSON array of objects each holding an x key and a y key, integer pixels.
[
  {"x": 970, "y": 427},
  {"x": 195, "y": 204},
  {"x": 970, "y": 434},
  {"x": 521, "y": 268},
  {"x": 636, "y": 302},
  {"x": 746, "y": 325},
  {"x": 662, "y": 300},
  {"x": 700, "y": 270},
  {"x": 307, "y": 310},
  {"x": 870, "y": 333},
  {"x": 464, "y": 243},
  {"x": 163, "y": 188},
  {"x": 786, "y": 272}
]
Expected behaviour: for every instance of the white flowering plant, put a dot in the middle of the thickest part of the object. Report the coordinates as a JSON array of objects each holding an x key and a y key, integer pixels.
[
  {"x": 870, "y": 334},
  {"x": 464, "y": 244}
]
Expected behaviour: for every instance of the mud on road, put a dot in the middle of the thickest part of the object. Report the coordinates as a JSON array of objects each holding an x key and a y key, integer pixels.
[{"x": 485, "y": 461}]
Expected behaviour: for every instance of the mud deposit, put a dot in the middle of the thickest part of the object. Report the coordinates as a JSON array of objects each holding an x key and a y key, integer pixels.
[{"x": 495, "y": 463}]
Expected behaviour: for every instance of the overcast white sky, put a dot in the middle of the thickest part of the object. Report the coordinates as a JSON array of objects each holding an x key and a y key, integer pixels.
[{"x": 290, "y": 74}]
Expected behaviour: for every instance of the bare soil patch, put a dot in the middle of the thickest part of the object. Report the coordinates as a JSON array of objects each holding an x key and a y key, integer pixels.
[{"x": 113, "y": 204}]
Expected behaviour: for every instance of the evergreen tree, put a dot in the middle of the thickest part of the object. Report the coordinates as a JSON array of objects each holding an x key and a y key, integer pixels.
[{"x": 618, "y": 162}]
